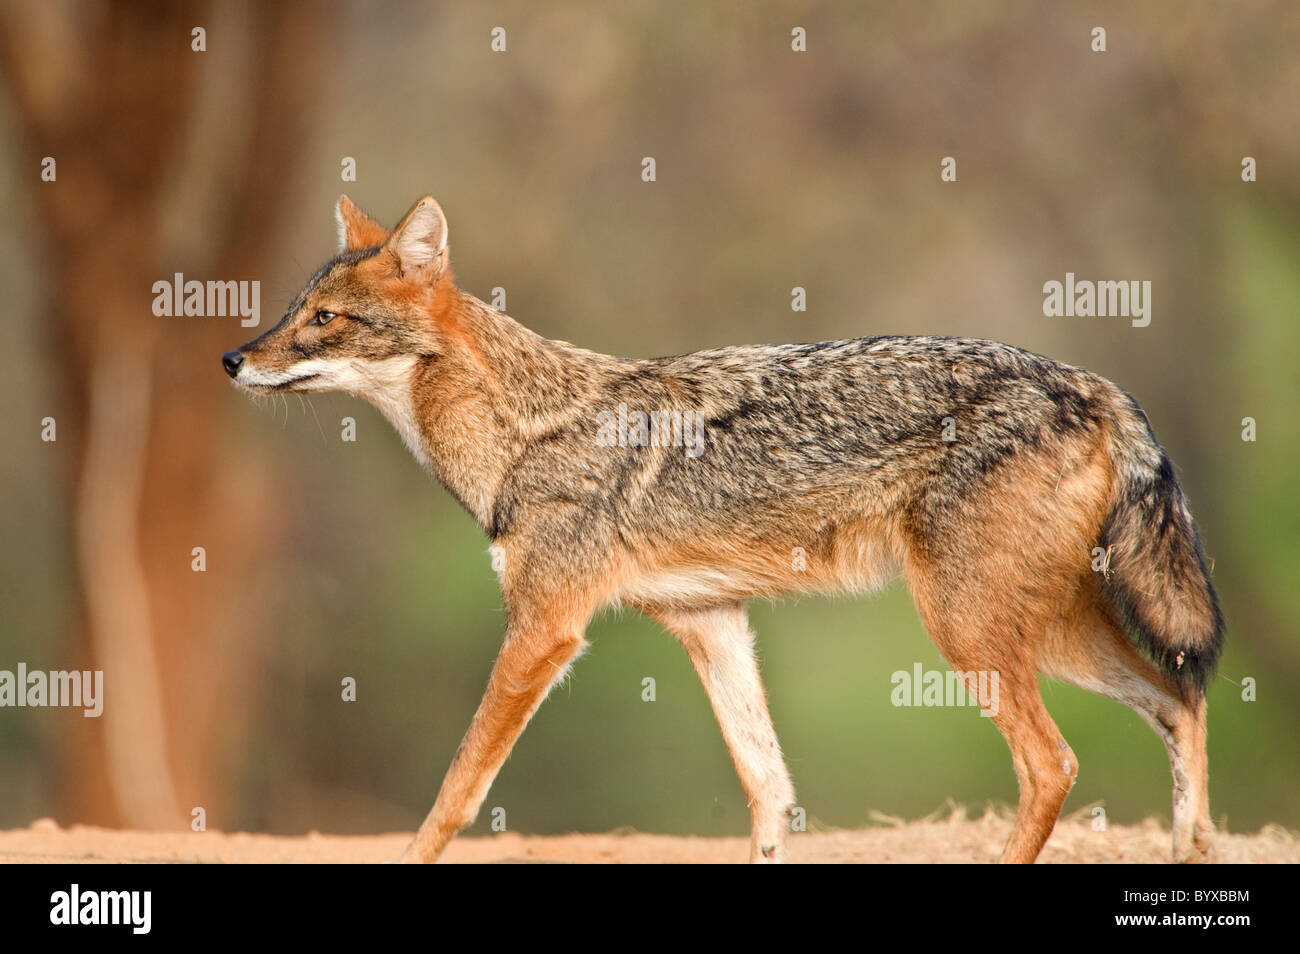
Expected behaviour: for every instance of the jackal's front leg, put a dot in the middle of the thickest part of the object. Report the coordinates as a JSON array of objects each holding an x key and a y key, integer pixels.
[
  {"x": 531, "y": 661},
  {"x": 721, "y": 648}
]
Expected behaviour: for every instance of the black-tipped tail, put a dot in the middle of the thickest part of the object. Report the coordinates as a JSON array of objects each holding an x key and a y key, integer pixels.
[{"x": 1155, "y": 577}]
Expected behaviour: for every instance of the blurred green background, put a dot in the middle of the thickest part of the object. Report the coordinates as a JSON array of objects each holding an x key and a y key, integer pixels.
[{"x": 775, "y": 169}]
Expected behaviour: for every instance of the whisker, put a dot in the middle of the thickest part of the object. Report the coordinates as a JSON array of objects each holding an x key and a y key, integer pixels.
[{"x": 313, "y": 414}]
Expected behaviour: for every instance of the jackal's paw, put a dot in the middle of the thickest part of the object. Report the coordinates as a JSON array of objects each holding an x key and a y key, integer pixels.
[
  {"x": 1199, "y": 852},
  {"x": 414, "y": 854},
  {"x": 773, "y": 854}
]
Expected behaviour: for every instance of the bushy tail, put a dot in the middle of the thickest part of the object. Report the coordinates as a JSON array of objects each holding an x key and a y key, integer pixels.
[{"x": 1155, "y": 577}]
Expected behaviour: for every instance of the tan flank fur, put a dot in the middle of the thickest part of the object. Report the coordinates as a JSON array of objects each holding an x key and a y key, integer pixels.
[{"x": 1036, "y": 519}]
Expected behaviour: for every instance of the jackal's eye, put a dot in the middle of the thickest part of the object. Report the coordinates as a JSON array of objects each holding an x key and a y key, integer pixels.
[{"x": 322, "y": 317}]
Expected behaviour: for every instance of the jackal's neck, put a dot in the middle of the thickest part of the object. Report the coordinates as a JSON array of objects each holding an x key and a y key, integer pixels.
[{"x": 494, "y": 387}]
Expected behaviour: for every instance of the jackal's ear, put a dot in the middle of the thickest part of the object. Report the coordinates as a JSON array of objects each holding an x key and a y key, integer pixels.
[
  {"x": 420, "y": 239},
  {"x": 356, "y": 229}
]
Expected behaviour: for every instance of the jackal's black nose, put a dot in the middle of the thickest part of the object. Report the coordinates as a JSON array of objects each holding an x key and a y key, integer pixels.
[{"x": 231, "y": 361}]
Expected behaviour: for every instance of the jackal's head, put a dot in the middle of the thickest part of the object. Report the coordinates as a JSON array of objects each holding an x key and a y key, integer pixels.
[{"x": 364, "y": 317}]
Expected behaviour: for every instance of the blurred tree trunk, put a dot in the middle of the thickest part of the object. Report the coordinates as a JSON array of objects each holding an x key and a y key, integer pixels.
[{"x": 110, "y": 90}]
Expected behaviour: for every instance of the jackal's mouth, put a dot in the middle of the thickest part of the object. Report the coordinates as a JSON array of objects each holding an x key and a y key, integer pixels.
[
  {"x": 288, "y": 385},
  {"x": 274, "y": 386}
]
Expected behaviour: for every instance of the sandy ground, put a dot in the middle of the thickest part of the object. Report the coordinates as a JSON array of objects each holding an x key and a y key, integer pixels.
[{"x": 954, "y": 838}]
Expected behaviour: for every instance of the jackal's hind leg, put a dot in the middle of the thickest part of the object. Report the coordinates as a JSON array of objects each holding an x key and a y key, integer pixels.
[
  {"x": 983, "y": 638},
  {"x": 1091, "y": 652},
  {"x": 721, "y": 647},
  {"x": 1045, "y": 767}
]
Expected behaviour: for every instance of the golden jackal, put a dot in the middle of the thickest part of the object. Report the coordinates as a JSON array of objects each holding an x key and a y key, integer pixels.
[{"x": 1037, "y": 521}]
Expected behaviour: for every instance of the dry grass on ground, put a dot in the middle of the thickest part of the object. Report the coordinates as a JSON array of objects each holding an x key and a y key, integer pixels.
[{"x": 946, "y": 837}]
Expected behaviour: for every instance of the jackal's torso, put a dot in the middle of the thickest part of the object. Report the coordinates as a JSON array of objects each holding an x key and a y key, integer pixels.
[{"x": 723, "y": 473}]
